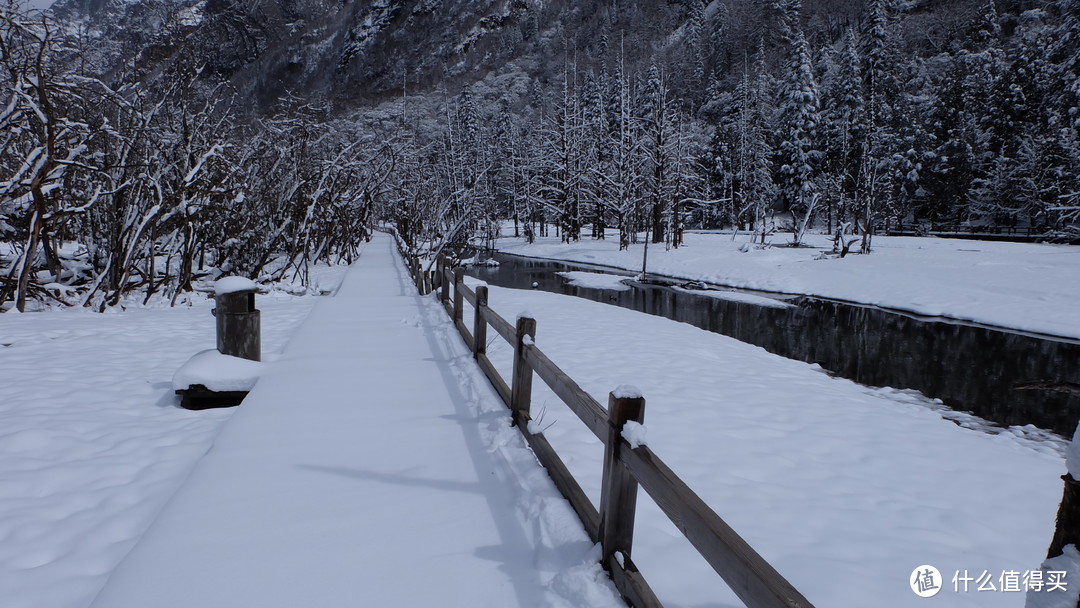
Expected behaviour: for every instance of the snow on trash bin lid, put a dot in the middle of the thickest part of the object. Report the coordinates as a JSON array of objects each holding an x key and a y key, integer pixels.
[{"x": 233, "y": 285}]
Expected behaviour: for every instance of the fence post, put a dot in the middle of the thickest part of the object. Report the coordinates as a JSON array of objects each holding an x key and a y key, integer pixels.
[
  {"x": 444, "y": 280},
  {"x": 459, "y": 282},
  {"x": 479, "y": 324},
  {"x": 618, "y": 490},
  {"x": 437, "y": 280},
  {"x": 1067, "y": 525},
  {"x": 521, "y": 384},
  {"x": 414, "y": 264}
]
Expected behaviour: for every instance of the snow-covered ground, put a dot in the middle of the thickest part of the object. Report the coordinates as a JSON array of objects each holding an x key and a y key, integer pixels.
[
  {"x": 1031, "y": 287},
  {"x": 92, "y": 442},
  {"x": 845, "y": 489}
]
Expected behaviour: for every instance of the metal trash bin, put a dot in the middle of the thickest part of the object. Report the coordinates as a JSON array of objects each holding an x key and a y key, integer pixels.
[{"x": 238, "y": 324}]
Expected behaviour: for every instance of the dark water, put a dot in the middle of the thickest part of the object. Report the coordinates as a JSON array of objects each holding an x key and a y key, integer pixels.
[{"x": 969, "y": 367}]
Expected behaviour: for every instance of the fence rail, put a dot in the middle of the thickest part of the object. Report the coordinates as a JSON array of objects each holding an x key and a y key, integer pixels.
[{"x": 626, "y": 468}]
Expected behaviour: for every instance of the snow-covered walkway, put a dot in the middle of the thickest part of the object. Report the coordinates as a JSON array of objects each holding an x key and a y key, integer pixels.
[{"x": 371, "y": 466}]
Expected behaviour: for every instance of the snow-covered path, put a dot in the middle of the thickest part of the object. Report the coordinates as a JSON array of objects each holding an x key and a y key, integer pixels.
[{"x": 371, "y": 465}]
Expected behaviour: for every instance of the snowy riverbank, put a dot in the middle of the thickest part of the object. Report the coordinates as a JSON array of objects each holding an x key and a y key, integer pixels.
[
  {"x": 845, "y": 489},
  {"x": 1030, "y": 287}
]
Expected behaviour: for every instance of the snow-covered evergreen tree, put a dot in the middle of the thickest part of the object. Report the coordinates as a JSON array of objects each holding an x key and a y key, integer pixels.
[{"x": 799, "y": 149}]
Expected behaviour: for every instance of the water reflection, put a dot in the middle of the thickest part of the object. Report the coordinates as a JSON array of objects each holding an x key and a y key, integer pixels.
[{"x": 969, "y": 367}]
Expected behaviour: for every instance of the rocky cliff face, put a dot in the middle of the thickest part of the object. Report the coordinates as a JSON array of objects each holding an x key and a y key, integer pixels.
[
  {"x": 357, "y": 52},
  {"x": 349, "y": 52}
]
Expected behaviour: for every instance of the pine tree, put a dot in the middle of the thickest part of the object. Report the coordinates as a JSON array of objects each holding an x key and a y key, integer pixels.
[
  {"x": 657, "y": 142},
  {"x": 844, "y": 126},
  {"x": 594, "y": 153},
  {"x": 800, "y": 155},
  {"x": 949, "y": 178},
  {"x": 625, "y": 159},
  {"x": 695, "y": 50},
  {"x": 754, "y": 190}
]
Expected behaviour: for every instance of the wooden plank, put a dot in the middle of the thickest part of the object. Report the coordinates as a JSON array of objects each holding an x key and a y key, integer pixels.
[
  {"x": 618, "y": 493},
  {"x": 447, "y": 281},
  {"x": 459, "y": 283},
  {"x": 494, "y": 377},
  {"x": 631, "y": 584},
  {"x": 470, "y": 295},
  {"x": 464, "y": 331},
  {"x": 564, "y": 481},
  {"x": 479, "y": 324},
  {"x": 500, "y": 325},
  {"x": 582, "y": 403},
  {"x": 756, "y": 582},
  {"x": 521, "y": 381}
]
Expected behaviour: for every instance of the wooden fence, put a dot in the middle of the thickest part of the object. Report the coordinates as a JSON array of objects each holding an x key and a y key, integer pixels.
[{"x": 626, "y": 468}]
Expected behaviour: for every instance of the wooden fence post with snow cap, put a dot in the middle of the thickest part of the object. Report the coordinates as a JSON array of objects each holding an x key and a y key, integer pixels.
[
  {"x": 618, "y": 490},
  {"x": 444, "y": 284},
  {"x": 479, "y": 324},
  {"x": 459, "y": 297},
  {"x": 521, "y": 383}
]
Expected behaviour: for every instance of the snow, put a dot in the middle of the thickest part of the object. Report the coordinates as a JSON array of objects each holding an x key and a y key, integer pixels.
[
  {"x": 1072, "y": 455},
  {"x": 92, "y": 439},
  {"x": 1030, "y": 287},
  {"x": 217, "y": 372},
  {"x": 476, "y": 261},
  {"x": 634, "y": 434},
  {"x": 595, "y": 280},
  {"x": 233, "y": 285},
  {"x": 1068, "y": 562},
  {"x": 376, "y": 462},
  {"x": 843, "y": 488},
  {"x": 627, "y": 391},
  {"x": 323, "y": 485},
  {"x": 737, "y": 296}
]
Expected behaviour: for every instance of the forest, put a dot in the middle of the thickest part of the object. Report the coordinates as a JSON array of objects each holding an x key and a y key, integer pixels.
[{"x": 139, "y": 177}]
